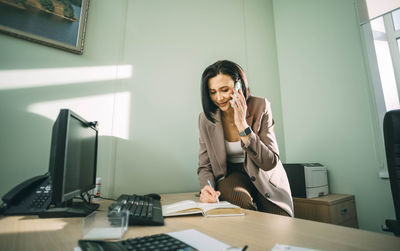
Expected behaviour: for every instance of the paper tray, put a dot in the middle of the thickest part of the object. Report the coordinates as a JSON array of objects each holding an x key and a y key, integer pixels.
[{"x": 99, "y": 226}]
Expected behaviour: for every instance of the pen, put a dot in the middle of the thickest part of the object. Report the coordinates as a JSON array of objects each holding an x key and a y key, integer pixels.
[{"x": 209, "y": 183}]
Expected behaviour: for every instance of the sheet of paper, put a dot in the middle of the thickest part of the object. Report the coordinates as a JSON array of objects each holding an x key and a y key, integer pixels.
[
  {"x": 281, "y": 247},
  {"x": 199, "y": 240}
]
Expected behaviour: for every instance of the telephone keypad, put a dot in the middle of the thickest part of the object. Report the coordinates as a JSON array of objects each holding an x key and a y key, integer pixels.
[{"x": 42, "y": 195}]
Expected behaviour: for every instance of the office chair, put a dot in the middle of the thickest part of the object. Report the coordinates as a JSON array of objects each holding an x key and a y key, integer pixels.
[{"x": 391, "y": 132}]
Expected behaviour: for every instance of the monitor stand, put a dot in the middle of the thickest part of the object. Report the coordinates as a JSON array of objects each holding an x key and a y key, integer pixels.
[{"x": 71, "y": 209}]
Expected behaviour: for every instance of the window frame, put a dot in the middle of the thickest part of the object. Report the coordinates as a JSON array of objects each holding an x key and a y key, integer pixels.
[{"x": 393, "y": 36}]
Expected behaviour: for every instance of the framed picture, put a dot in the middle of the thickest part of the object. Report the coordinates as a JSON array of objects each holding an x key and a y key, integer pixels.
[{"x": 56, "y": 23}]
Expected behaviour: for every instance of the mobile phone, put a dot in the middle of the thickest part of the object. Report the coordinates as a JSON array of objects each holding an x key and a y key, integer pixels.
[{"x": 238, "y": 85}]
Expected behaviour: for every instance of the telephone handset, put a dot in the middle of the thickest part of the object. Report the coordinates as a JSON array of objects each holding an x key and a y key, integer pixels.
[{"x": 30, "y": 197}]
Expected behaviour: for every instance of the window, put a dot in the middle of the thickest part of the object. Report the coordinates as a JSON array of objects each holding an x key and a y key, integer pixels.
[
  {"x": 382, "y": 40},
  {"x": 382, "y": 44},
  {"x": 385, "y": 60},
  {"x": 396, "y": 19}
]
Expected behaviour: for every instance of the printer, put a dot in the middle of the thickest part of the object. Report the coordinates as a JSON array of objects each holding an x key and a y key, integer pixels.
[{"x": 307, "y": 180}]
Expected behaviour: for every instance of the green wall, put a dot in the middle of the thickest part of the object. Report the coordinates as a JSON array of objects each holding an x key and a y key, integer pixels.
[
  {"x": 326, "y": 103},
  {"x": 168, "y": 44},
  {"x": 25, "y": 135}
]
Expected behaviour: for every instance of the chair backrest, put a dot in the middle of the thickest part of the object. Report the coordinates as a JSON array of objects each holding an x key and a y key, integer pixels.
[{"x": 391, "y": 131}]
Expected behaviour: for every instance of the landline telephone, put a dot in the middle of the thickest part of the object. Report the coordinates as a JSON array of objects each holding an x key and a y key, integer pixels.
[{"x": 32, "y": 196}]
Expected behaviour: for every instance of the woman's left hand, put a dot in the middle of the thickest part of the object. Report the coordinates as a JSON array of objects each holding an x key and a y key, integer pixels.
[{"x": 238, "y": 102}]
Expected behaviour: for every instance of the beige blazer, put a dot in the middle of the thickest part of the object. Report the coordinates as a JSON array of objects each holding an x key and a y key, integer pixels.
[{"x": 261, "y": 162}]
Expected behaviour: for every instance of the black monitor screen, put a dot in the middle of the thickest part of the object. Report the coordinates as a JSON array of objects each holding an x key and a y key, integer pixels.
[
  {"x": 80, "y": 162},
  {"x": 73, "y": 156}
]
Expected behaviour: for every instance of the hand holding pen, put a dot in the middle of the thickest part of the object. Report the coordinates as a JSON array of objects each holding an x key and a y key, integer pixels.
[
  {"x": 209, "y": 195},
  {"x": 209, "y": 183}
]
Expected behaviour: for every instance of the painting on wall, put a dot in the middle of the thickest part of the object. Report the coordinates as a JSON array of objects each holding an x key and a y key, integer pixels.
[{"x": 56, "y": 23}]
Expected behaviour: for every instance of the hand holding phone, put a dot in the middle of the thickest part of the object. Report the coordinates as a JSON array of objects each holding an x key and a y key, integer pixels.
[{"x": 239, "y": 105}]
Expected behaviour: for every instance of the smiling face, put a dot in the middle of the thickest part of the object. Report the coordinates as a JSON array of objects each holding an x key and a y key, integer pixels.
[{"x": 220, "y": 89}]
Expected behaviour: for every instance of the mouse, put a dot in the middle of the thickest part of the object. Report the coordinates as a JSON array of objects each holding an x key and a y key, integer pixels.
[{"x": 154, "y": 196}]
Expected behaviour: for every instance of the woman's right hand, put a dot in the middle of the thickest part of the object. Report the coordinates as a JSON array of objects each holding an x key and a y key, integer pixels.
[{"x": 209, "y": 195}]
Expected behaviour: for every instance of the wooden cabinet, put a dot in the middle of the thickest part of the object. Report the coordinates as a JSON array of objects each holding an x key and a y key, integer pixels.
[{"x": 338, "y": 209}]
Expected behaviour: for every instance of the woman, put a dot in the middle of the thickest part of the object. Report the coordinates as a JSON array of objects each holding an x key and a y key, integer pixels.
[{"x": 238, "y": 153}]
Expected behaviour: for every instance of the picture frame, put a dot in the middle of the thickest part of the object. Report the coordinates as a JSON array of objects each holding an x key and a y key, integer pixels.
[{"x": 57, "y": 23}]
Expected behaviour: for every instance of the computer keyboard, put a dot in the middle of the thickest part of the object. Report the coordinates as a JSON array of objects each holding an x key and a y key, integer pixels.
[
  {"x": 142, "y": 210},
  {"x": 152, "y": 242}
]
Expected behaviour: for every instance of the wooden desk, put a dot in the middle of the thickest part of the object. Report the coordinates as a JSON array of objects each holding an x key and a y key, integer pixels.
[{"x": 260, "y": 231}]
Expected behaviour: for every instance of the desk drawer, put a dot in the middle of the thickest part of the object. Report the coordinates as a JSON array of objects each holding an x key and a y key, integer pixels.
[{"x": 342, "y": 212}]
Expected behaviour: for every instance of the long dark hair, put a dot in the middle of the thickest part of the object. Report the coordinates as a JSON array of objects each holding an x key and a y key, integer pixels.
[{"x": 220, "y": 67}]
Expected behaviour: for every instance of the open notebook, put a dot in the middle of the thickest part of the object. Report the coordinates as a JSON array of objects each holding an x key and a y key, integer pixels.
[{"x": 185, "y": 207}]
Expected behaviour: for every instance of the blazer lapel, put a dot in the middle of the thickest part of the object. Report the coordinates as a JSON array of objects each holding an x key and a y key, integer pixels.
[
  {"x": 249, "y": 120},
  {"x": 216, "y": 134}
]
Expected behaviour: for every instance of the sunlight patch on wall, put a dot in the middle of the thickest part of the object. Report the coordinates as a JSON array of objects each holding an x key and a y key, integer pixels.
[
  {"x": 93, "y": 108},
  {"x": 122, "y": 114},
  {"x": 15, "y": 79}
]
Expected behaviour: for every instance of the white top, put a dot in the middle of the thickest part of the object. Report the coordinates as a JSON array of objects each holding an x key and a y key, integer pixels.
[{"x": 234, "y": 152}]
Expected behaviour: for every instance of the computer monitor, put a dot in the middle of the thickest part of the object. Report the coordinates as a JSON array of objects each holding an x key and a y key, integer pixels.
[{"x": 73, "y": 164}]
